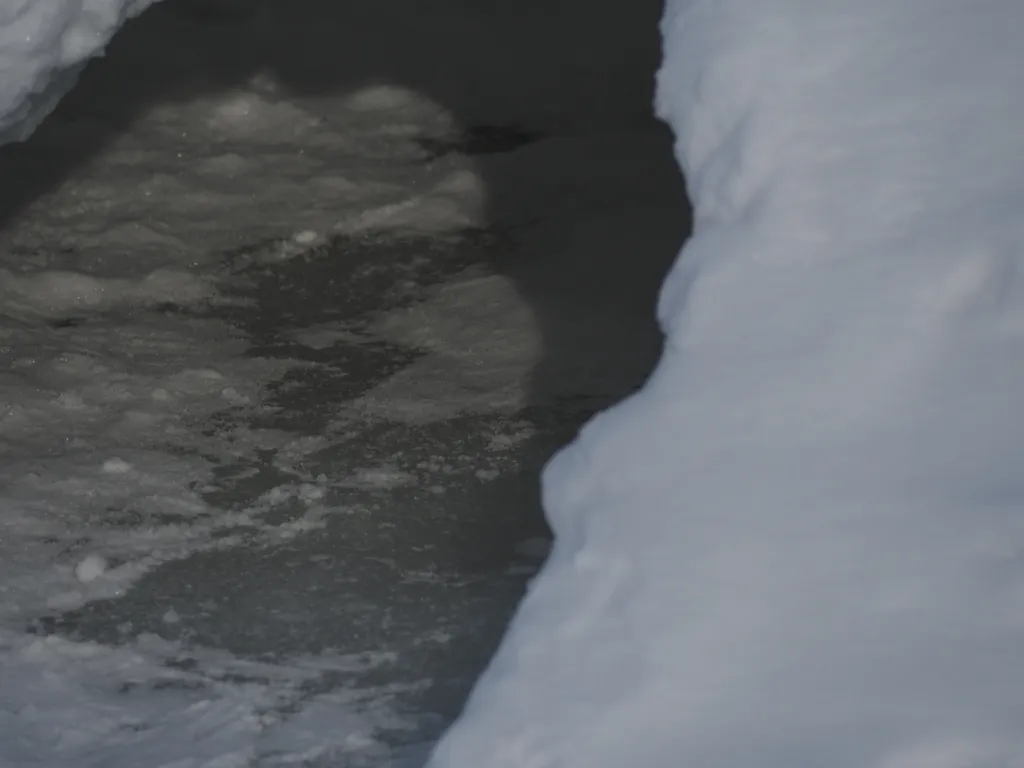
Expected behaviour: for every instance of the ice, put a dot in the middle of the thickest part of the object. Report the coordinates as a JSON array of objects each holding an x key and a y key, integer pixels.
[
  {"x": 91, "y": 568},
  {"x": 116, "y": 370},
  {"x": 53, "y": 292},
  {"x": 116, "y": 466},
  {"x": 60, "y": 699},
  {"x": 801, "y": 543}
]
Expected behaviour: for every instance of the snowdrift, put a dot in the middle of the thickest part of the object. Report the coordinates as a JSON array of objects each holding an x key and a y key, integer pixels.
[
  {"x": 801, "y": 544},
  {"x": 43, "y": 45}
]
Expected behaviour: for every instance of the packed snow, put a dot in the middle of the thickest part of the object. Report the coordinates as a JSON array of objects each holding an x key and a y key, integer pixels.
[
  {"x": 42, "y": 49},
  {"x": 802, "y": 543},
  {"x": 798, "y": 544}
]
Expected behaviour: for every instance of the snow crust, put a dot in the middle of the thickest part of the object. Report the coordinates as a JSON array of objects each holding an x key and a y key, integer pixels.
[
  {"x": 802, "y": 544},
  {"x": 43, "y": 44}
]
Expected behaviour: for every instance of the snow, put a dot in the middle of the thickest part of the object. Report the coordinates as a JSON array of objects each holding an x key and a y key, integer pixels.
[
  {"x": 70, "y": 696},
  {"x": 91, "y": 568},
  {"x": 42, "y": 49},
  {"x": 801, "y": 543}
]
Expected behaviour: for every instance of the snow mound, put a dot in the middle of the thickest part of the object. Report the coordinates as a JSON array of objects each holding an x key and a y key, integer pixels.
[
  {"x": 802, "y": 543},
  {"x": 43, "y": 44}
]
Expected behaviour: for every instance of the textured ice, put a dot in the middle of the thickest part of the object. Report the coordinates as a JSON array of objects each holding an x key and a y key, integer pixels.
[{"x": 800, "y": 545}]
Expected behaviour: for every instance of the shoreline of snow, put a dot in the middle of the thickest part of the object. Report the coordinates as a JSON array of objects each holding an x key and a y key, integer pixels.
[
  {"x": 45, "y": 44},
  {"x": 801, "y": 543}
]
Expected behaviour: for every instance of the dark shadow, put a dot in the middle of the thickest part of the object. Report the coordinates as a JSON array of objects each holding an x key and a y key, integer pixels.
[{"x": 592, "y": 288}]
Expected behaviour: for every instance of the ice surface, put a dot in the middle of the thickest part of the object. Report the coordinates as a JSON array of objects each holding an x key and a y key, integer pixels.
[
  {"x": 802, "y": 543},
  {"x": 58, "y": 293},
  {"x": 799, "y": 545},
  {"x": 178, "y": 494}
]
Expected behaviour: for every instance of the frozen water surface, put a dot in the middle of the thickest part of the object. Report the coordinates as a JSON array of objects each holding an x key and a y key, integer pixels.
[
  {"x": 298, "y": 297},
  {"x": 294, "y": 305}
]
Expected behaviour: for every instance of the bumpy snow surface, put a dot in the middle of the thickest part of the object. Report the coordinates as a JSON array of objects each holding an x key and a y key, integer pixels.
[
  {"x": 42, "y": 45},
  {"x": 801, "y": 544}
]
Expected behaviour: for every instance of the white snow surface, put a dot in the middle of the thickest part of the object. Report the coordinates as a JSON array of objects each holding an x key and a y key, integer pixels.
[
  {"x": 42, "y": 45},
  {"x": 802, "y": 544}
]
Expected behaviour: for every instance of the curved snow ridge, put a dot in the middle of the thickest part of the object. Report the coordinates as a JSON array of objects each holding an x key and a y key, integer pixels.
[
  {"x": 802, "y": 543},
  {"x": 826, "y": 137},
  {"x": 42, "y": 45}
]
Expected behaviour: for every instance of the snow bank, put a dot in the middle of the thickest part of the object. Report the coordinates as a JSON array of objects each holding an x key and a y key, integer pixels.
[
  {"x": 802, "y": 544},
  {"x": 43, "y": 44}
]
